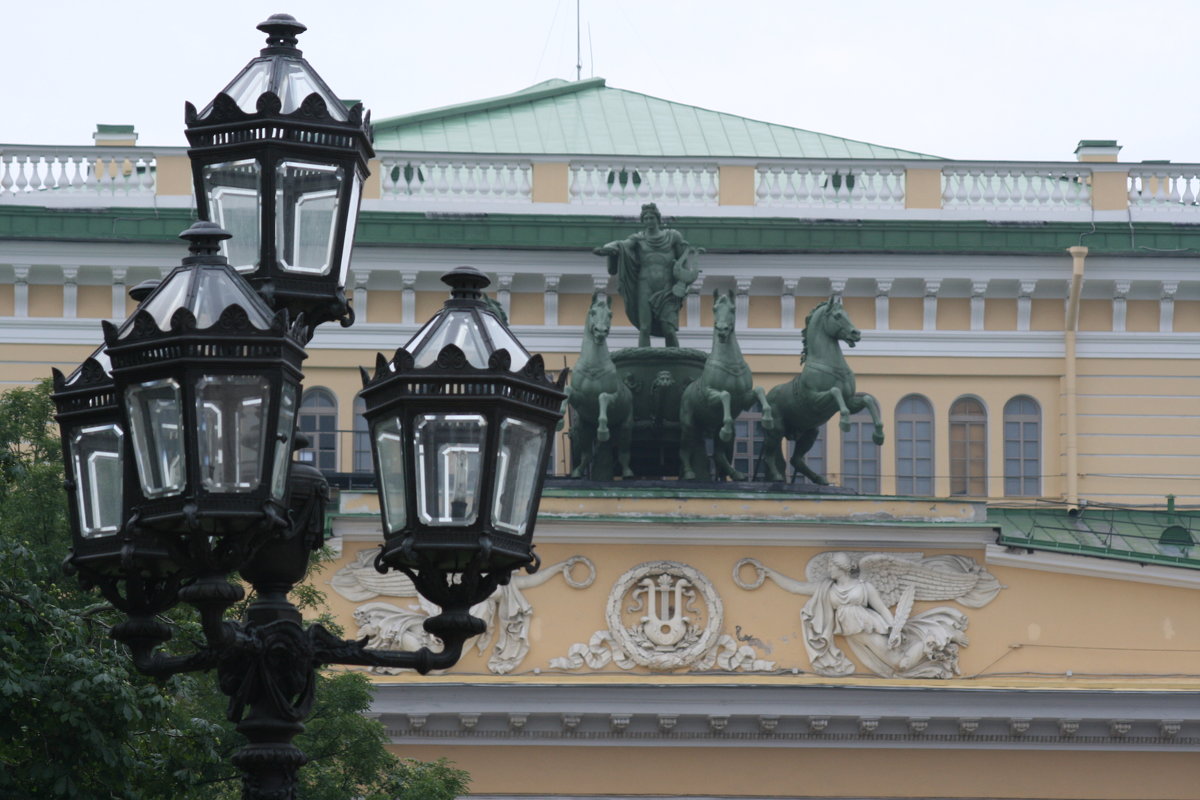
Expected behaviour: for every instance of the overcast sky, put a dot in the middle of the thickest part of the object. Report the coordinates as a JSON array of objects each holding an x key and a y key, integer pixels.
[{"x": 1013, "y": 80}]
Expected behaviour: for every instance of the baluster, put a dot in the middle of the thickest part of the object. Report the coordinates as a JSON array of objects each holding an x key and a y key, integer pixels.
[
  {"x": 774, "y": 187},
  {"x": 1161, "y": 193},
  {"x": 36, "y": 167},
  {"x": 524, "y": 186},
  {"x": 22, "y": 179},
  {"x": 885, "y": 191},
  {"x": 1043, "y": 187},
  {"x": 948, "y": 193},
  {"x": 620, "y": 192},
  {"x": 6, "y": 180},
  {"x": 762, "y": 190},
  {"x": 388, "y": 185},
  {"x": 964, "y": 186},
  {"x": 78, "y": 178},
  {"x": 1135, "y": 194},
  {"x": 787, "y": 185},
  {"x": 1030, "y": 195},
  {"x": 441, "y": 185},
  {"x": 687, "y": 186},
  {"x": 149, "y": 175},
  {"x": 712, "y": 190},
  {"x": 986, "y": 188},
  {"x": 455, "y": 179},
  {"x": 1056, "y": 189},
  {"x": 1188, "y": 197},
  {"x": 1176, "y": 192},
  {"x": 589, "y": 183},
  {"x": 1156, "y": 197},
  {"x": 977, "y": 176},
  {"x": 868, "y": 185},
  {"x": 574, "y": 187}
]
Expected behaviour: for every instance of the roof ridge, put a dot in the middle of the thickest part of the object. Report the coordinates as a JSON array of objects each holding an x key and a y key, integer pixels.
[
  {"x": 554, "y": 87},
  {"x": 769, "y": 124}
]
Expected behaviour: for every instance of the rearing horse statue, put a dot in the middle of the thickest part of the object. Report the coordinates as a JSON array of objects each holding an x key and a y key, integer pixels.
[
  {"x": 725, "y": 389},
  {"x": 603, "y": 403},
  {"x": 824, "y": 387}
]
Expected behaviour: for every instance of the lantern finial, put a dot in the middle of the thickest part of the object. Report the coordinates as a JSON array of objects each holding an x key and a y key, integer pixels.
[
  {"x": 281, "y": 30},
  {"x": 466, "y": 283}
]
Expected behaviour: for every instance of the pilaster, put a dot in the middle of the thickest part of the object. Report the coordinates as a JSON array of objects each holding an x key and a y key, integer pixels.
[
  {"x": 21, "y": 290},
  {"x": 932, "y": 286},
  {"x": 70, "y": 292},
  {"x": 883, "y": 288},
  {"x": 550, "y": 299}
]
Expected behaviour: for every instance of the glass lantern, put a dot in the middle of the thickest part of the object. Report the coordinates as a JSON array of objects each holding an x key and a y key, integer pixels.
[
  {"x": 461, "y": 422},
  {"x": 279, "y": 161},
  {"x": 208, "y": 377}
]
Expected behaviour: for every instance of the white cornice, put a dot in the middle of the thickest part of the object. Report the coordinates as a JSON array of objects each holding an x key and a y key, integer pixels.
[
  {"x": 540, "y": 712},
  {"x": 1111, "y": 569}
]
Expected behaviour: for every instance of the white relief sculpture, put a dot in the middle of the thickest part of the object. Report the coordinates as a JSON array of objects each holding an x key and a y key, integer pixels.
[
  {"x": 867, "y": 599},
  {"x": 665, "y": 616},
  {"x": 507, "y": 613}
]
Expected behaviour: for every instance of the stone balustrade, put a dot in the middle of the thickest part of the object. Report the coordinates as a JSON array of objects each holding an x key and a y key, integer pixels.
[{"x": 846, "y": 189}]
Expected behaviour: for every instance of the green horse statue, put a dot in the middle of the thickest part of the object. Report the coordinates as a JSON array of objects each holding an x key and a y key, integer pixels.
[
  {"x": 709, "y": 405},
  {"x": 824, "y": 387},
  {"x": 603, "y": 403}
]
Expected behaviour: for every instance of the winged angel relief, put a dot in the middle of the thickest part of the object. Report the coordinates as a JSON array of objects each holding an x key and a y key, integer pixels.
[
  {"x": 507, "y": 613},
  {"x": 867, "y": 600}
]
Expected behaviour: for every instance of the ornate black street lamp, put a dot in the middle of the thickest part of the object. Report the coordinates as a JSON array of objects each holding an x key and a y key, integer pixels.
[
  {"x": 177, "y": 434},
  {"x": 461, "y": 421},
  {"x": 279, "y": 161}
]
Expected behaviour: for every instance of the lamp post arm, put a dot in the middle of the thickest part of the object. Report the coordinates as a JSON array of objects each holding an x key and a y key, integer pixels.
[{"x": 144, "y": 635}]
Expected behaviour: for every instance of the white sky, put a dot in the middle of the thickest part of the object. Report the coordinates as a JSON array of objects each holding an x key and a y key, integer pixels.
[{"x": 1013, "y": 80}]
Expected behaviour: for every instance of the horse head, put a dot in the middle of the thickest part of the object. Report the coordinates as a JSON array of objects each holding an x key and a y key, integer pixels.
[
  {"x": 831, "y": 319},
  {"x": 724, "y": 315},
  {"x": 599, "y": 317}
]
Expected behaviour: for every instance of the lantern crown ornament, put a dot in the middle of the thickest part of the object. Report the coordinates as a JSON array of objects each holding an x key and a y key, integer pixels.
[
  {"x": 279, "y": 161},
  {"x": 208, "y": 378},
  {"x": 461, "y": 422}
]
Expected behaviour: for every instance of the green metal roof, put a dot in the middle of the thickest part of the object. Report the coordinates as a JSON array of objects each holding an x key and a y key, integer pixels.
[
  {"x": 1169, "y": 537},
  {"x": 586, "y": 117}
]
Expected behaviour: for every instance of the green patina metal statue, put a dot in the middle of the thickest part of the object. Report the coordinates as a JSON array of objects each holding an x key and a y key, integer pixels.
[
  {"x": 725, "y": 389},
  {"x": 654, "y": 268},
  {"x": 602, "y": 401},
  {"x": 824, "y": 387}
]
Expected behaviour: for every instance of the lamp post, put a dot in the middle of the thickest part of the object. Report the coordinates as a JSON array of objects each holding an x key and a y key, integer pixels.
[{"x": 178, "y": 432}]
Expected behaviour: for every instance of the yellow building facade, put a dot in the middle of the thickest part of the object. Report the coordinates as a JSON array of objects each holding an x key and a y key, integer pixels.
[{"x": 1030, "y": 332}]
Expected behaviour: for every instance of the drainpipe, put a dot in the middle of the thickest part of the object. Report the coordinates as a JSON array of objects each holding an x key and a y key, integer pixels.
[{"x": 1070, "y": 377}]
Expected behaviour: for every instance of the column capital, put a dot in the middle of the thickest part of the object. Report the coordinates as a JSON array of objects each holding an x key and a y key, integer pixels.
[
  {"x": 1027, "y": 288},
  {"x": 790, "y": 284},
  {"x": 408, "y": 280},
  {"x": 1121, "y": 289},
  {"x": 837, "y": 286},
  {"x": 21, "y": 272},
  {"x": 979, "y": 288},
  {"x": 1169, "y": 288},
  {"x": 551, "y": 281},
  {"x": 883, "y": 287},
  {"x": 504, "y": 281},
  {"x": 599, "y": 283},
  {"x": 70, "y": 274},
  {"x": 118, "y": 274},
  {"x": 932, "y": 286},
  {"x": 743, "y": 285}
]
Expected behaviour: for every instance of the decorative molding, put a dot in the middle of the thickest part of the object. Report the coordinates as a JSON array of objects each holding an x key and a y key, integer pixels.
[
  {"x": 866, "y": 601},
  {"x": 664, "y": 616},
  {"x": 507, "y": 613}
]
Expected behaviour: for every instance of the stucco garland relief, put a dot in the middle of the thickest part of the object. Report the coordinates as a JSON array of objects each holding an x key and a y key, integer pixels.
[
  {"x": 663, "y": 615},
  {"x": 507, "y": 613},
  {"x": 865, "y": 600}
]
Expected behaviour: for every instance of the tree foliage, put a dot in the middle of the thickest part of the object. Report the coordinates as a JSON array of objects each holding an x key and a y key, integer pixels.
[{"x": 79, "y": 722}]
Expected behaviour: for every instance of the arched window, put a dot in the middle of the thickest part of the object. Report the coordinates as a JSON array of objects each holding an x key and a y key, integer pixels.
[
  {"x": 362, "y": 438},
  {"x": 748, "y": 440},
  {"x": 968, "y": 448},
  {"x": 860, "y": 455},
  {"x": 318, "y": 421},
  {"x": 1022, "y": 447},
  {"x": 914, "y": 446}
]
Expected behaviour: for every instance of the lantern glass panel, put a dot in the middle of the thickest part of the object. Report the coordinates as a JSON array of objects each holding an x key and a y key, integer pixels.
[
  {"x": 502, "y": 339},
  {"x": 283, "y": 434},
  {"x": 231, "y": 434},
  {"x": 155, "y": 424},
  {"x": 518, "y": 467},
  {"x": 449, "y": 467},
  {"x": 98, "y": 464},
  {"x": 296, "y": 81},
  {"x": 233, "y": 190},
  {"x": 306, "y": 212},
  {"x": 458, "y": 327},
  {"x": 249, "y": 86},
  {"x": 351, "y": 222},
  {"x": 389, "y": 450}
]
